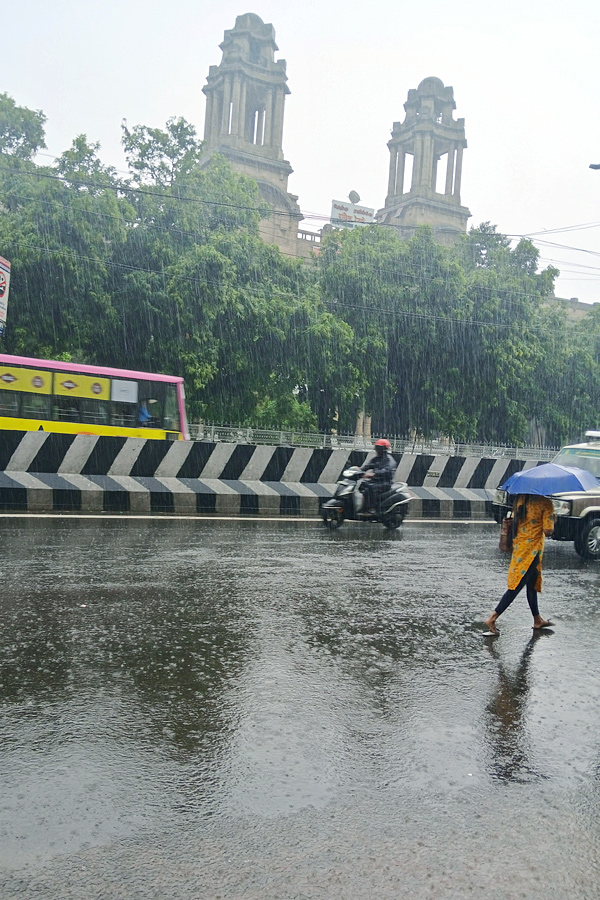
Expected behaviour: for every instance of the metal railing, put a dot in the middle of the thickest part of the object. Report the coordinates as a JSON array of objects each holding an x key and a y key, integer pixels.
[{"x": 312, "y": 440}]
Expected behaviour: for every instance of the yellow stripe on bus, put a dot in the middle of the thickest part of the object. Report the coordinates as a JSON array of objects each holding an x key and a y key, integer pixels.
[{"x": 14, "y": 424}]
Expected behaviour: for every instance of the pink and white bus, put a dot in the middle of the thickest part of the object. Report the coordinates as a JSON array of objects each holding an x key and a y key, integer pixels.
[{"x": 49, "y": 395}]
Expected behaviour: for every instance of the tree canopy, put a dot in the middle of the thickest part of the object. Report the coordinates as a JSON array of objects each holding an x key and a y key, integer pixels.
[
  {"x": 21, "y": 129},
  {"x": 164, "y": 270}
]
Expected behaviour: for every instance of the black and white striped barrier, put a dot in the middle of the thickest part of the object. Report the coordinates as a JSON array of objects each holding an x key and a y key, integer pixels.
[{"x": 43, "y": 472}]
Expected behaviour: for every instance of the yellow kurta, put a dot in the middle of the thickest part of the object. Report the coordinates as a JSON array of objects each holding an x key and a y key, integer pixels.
[{"x": 529, "y": 539}]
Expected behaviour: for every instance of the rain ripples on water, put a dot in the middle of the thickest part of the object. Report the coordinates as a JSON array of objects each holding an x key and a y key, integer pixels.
[{"x": 269, "y": 710}]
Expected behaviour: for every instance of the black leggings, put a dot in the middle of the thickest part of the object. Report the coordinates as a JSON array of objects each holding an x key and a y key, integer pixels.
[{"x": 528, "y": 580}]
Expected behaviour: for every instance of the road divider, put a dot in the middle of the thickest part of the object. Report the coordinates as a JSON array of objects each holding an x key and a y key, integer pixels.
[{"x": 46, "y": 472}]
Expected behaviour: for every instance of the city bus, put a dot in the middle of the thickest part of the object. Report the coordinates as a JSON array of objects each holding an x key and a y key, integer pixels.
[{"x": 49, "y": 395}]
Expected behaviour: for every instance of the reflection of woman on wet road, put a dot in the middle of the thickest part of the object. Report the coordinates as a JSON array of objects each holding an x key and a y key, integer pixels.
[
  {"x": 506, "y": 711},
  {"x": 533, "y": 519}
]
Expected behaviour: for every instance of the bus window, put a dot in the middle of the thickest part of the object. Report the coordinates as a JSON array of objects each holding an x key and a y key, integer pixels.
[
  {"x": 9, "y": 403},
  {"x": 65, "y": 409},
  {"x": 35, "y": 406},
  {"x": 171, "y": 412},
  {"x": 94, "y": 412},
  {"x": 123, "y": 415},
  {"x": 148, "y": 414},
  {"x": 151, "y": 402}
]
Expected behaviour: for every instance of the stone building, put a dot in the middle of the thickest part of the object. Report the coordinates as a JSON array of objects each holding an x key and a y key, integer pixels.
[
  {"x": 574, "y": 308},
  {"x": 245, "y": 99},
  {"x": 420, "y": 190}
]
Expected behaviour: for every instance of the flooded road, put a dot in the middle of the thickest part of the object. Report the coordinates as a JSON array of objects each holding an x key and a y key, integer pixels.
[{"x": 267, "y": 710}]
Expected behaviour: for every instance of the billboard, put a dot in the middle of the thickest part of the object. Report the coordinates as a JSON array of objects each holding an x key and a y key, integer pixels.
[
  {"x": 4, "y": 285},
  {"x": 348, "y": 215}
]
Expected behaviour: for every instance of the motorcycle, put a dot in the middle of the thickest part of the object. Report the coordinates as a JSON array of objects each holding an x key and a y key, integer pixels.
[{"x": 348, "y": 502}]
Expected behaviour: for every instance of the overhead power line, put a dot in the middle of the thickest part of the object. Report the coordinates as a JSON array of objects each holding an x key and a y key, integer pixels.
[
  {"x": 583, "y": 227},
  {"x": 332, "y": 304},
  {"x": 127, "y": 187}
]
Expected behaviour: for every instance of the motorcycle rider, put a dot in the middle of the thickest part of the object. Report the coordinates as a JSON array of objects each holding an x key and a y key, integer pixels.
[{"x": 379, "y": 474}]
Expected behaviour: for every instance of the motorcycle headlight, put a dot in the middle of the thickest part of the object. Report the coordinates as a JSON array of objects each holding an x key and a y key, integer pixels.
[
  {"x": 501, "y": 498},
  {"x": 562, "y": 507}
]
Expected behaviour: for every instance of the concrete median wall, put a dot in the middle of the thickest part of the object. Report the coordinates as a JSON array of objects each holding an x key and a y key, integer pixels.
[{"x": 45, "y": 472}]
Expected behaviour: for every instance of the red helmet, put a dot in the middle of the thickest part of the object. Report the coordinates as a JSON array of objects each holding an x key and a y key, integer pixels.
[{"x": 383, "y": 442}]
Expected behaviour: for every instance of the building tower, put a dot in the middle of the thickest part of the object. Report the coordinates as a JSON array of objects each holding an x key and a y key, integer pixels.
[
  {"x": 420, "y": 191},
  {"x": 245, "y": 98}
]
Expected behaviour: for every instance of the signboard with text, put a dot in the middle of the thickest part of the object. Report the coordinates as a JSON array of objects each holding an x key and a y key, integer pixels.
[
  {"x": 4, "y": 285},
  {"x": 348, "y": 215}
]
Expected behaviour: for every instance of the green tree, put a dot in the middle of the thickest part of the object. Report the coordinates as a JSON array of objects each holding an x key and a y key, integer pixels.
[
  {"x": 21, "y": 129},
  {"x": 159, "y": 157},
  {"x": 404, "y": 302},
  {"x": 165, "y": 271},
  {"x": 59, "y": 237},
  {"x": 511, "y": 301},
  {"x": 205, "y": 296},
  {"x": 447, "y": 341}
]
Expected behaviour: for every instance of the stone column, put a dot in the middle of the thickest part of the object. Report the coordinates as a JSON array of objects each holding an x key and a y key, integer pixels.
[
  {"x": 243, "y": 132},
  {"x": 427, "y": 164},
  {"x": 400, "y": 171},
  {"x": 235, "y": 117},
  {"x": 393, "y": 167},
  {"x": 208, "y": 117},
  {"x": 450, "y": 172},
  {"x": 417, "y": 162},
  {"x": 269, "y": 119},
  {"x": 216, "y": 119},
  {"x": 459, "y": 153},
  {"x": 225, "y": 110},
  {"x": 278, "y": 120}
]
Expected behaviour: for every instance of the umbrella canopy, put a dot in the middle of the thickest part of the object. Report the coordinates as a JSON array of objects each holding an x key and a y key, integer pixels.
[{"x": 550, "y": 479}]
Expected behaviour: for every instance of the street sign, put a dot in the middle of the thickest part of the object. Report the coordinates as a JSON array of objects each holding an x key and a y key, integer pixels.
[{"x": 350, "y": 215}]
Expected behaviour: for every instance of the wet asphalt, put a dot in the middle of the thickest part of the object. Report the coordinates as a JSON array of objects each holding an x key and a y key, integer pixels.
[{"x": 267, "y": 710}]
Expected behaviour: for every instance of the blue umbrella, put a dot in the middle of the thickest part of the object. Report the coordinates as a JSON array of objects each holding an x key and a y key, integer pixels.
[{"x": 550, "y": 479}]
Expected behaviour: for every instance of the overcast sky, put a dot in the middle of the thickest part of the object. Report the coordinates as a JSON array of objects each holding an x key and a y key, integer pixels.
[{"x": 524, "y": 72}]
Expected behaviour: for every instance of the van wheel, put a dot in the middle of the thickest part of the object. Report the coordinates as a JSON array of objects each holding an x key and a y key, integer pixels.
[{"x": 587, "y": 544}]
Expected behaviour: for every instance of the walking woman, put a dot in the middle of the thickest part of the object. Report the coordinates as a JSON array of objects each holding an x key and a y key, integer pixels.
[{"x": 534, "y": 519}]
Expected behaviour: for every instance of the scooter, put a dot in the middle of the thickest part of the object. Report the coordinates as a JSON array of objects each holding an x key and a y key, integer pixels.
[{"x": 348, "y": 502}]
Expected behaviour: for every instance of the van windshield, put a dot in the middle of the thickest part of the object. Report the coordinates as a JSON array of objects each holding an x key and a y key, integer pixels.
[{"x": 582, "y": 457}]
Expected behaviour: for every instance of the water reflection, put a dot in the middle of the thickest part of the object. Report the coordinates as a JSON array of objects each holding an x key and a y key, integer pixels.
[
  {"x": 175, "y": 677},
  {"x": 506, "y": 723},
  {"x": 98, "y": 612},
  {"x": 37, "y": 657}
]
